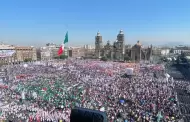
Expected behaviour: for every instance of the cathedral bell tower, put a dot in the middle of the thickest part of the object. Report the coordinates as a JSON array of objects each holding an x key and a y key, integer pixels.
[
  {"x": 98, "y": 45},
  {"x": 121, "y": 45}
]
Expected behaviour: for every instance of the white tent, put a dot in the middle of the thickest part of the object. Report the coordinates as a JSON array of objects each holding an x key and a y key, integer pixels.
[
  {"x": 25, "y": 65},
  {"x": 34, "y": 94},
  {"x": 129, "y": 71},
  {"x": 167, "y": 75},
  {"x": 102, "y": 109}
]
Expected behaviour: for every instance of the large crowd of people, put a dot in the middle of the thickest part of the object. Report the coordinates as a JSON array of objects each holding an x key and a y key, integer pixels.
[{"x": 47, "y": 91}]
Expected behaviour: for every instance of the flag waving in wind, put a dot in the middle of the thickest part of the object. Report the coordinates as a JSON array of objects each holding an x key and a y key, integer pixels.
[{"x": 61, "y": 49}]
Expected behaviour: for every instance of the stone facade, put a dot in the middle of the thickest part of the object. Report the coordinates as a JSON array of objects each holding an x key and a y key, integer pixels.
[
  {"x": 76, "y": 52},
  {"x": 45, "y": 53},
  {"x": 5, "y": 58},
  {"x": 49, "y": 52},
  {"x": 98, "y": 45},
  {"x": 23, "y": 53},
  {"x": 18, "y": 54},
  {"x": 118, "y": 51}
]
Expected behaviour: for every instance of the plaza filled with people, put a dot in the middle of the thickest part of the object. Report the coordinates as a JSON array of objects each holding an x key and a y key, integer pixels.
[{"x": 47, "y": 91}]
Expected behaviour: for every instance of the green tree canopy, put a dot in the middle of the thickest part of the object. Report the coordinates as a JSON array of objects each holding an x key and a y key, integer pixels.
[
  {"x": 61, "y": 57},
  {"x": 104, "y": 58},
  {"x": 27, "y": 60},
  {"x": 127, "y": 58}
]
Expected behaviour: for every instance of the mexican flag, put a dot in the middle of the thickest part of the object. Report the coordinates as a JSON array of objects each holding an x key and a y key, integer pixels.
[
  {"x": 61, "y": 49},
  {"x": 44, "y": 89}
]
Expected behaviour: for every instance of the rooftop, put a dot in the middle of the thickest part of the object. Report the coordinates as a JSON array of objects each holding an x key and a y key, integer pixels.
[
  {"x": 23, "y": 47},
  {"x": 6, "y": 47}
]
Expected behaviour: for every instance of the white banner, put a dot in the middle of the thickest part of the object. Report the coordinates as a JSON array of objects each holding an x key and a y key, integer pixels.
[
  {"x": 6, "y": 53},
  {"x": 34, "y": 94},
  {"x": 23, "y": 95}
]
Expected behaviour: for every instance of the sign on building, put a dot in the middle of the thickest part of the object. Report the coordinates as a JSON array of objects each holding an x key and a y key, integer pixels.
[{"x": 6, "y": 53}]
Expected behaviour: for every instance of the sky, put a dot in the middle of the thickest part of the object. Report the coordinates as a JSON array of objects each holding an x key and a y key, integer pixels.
[{"x": 37, "y": 22}]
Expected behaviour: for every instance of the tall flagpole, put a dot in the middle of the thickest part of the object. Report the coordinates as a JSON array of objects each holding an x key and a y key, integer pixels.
[{"x": 67, "y": 47}]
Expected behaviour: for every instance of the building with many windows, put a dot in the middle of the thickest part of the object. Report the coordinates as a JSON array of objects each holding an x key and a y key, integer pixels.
[
  {"x": 7, "y": 54},
  {"x": 45, "y": 53},
  {"x": 15, "y": 54},
  {"x": 76, "y": 52},
  {"x": 24, "y": 53},
  {"x": 50, "y": 51},
  {"x": 180, "y": 49}
]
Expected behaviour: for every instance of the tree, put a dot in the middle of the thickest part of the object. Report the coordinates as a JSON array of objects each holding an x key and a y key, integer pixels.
[
  {"x": 27, "y": 60},
  {"x": 127, "y": 58},
  {"x": 171, "y": 50},
  {"x": 108, "y": 56},
  {"x": 104, "y": 58},
  {"x": 63, "y": 57}
]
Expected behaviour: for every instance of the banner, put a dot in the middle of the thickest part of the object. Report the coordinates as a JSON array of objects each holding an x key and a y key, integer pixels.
[
  {"x": 23, "y": 95},
  {"x": 6, "y": 53}
]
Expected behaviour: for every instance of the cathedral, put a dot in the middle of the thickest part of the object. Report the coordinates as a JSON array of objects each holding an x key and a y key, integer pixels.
[{"x": 120, "y": 51}]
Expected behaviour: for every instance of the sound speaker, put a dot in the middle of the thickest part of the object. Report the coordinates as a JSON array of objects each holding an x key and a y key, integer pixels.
[{"x": 87, "y": 115}]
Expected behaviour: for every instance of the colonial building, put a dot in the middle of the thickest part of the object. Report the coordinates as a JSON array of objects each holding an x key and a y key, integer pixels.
[
  {"x": 15, "y": 54},
  {"x": 45, "y": 53},
  {"x": 98, "y": 45},
  {"x": 88, "y": 47},
  {"x": 50, "y": 51},
  {"x": 7, "y": 54},
  {"x": 53, "y": 48},
  {"x": 89, "y": 53},
  {"x": 25, "y": 53},
  {"x": 160, "y": 51},
  {"x": 118, "y": 51},
  {"x": 76, "y": 52},
  {"x": 139, "y": 53},
  {"x": 180, "y": 49}
]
